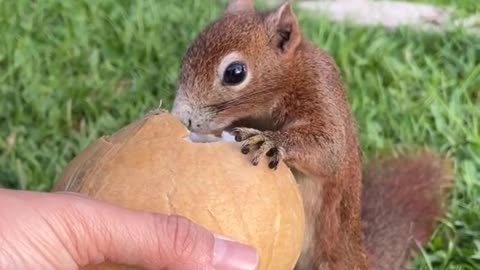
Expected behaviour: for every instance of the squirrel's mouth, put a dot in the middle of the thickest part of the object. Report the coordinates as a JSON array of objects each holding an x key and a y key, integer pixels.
[
  {"x": 224, "y": 133},
  {"x": 210, "y": 138}
]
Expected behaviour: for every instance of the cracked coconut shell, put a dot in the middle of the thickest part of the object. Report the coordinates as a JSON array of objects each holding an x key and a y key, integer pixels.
[{"x": 152, "y": 165}]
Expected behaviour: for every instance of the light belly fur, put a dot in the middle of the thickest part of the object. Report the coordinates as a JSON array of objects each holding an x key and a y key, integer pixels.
[{"x": 311, "y": 192}]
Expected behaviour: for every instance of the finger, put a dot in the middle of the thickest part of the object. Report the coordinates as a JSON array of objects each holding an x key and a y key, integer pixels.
[{"x": 153, "y": 241}]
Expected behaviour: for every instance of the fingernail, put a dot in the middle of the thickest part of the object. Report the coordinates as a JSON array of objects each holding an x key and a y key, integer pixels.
[{"x": 231, "y": 255}]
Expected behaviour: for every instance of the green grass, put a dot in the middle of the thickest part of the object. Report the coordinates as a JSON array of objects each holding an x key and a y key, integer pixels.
[{"x": 71, "y": 71}]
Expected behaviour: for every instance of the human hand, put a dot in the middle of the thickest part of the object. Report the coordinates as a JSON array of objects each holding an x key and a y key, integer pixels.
[{"x": 51, "y": 231}]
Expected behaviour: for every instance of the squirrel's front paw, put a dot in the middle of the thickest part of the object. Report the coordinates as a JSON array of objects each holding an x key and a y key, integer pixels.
[{"x": 260, "y": 144}]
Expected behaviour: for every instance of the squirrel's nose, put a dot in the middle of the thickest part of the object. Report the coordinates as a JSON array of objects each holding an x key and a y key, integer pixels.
[{"x": 190, "y": 123}]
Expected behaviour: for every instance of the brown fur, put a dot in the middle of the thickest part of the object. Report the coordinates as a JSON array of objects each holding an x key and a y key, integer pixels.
[
  {"x": 297, "y": 99},
  {"x": 402, "y": 199}
]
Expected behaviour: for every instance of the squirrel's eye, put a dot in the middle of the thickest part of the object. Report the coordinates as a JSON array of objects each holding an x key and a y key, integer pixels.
[{"x": 235, "y": 73}]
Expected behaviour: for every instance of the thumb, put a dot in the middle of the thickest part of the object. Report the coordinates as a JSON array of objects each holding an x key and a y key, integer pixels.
[{"x": 153, "y": 241}]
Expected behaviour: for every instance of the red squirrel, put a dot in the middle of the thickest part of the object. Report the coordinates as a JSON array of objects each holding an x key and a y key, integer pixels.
[{"x": 255, "y": 75}]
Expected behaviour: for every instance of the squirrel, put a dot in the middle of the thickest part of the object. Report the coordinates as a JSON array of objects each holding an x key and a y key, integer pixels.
[{"x": 254, "y": 74}]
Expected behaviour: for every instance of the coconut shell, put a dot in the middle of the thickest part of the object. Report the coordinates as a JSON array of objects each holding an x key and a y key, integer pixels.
[{"x": 150, "y": 165}]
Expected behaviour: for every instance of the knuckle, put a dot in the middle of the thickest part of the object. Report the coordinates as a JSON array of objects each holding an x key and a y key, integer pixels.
[{"x": 182, "y": 235}]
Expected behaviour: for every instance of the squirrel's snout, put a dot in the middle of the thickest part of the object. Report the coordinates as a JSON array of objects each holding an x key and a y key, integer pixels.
[
  {"x": 183, "y": 111},
  {"x": 192, "y": 124},
  {"x": 185, "y": 116},
  {"x": 195, "y": 118},
  {"x": 187, "y": 121}
]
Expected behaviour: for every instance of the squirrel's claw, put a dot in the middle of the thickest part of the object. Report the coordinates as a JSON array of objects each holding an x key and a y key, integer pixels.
[
  {"x": 242, "y": 134},
  {"x": 265, "y": 147},
  {"x": 260, "y": 144},
  {"x": 276, "y": 155}
]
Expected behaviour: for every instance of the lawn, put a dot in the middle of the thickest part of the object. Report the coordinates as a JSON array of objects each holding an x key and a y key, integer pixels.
[{"x": 71, "y": 71}]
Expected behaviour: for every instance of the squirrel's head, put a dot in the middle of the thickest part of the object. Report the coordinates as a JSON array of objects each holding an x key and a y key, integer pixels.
[{"x": 235, "y": 68}]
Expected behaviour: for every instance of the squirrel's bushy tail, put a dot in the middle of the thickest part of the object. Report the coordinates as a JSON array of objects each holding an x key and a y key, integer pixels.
[{"x": 403, "y": 198}]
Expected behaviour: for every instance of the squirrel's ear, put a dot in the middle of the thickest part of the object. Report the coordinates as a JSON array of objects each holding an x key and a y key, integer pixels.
[
  {"x": 283, "y": 26},
  {"x": 238, "y": 6}
]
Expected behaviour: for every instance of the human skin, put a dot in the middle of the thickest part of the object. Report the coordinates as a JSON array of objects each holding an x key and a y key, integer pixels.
[{"x": 50, "y": 231}]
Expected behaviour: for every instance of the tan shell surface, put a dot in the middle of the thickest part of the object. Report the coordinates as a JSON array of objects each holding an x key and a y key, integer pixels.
[{"x": 149, "y": 165}]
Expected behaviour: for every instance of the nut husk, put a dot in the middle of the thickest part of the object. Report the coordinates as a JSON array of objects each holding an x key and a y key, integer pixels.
[{"x": 150, "y": 165}]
